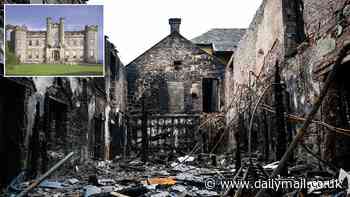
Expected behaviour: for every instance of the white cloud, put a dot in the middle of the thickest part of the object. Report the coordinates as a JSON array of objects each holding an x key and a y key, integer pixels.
[{"x": 136, "y": 25}]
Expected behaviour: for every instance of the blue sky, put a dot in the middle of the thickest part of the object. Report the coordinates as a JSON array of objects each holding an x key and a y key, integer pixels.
[{"x": 76, "y": 17}]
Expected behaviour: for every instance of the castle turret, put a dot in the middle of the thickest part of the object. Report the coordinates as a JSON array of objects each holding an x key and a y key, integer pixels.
[
  {"x": 61, "y": 32},
  {"x": 91, "y": 44},
  {"x": 49, "y": 31},
  {"x": 49, "y": 41},
  {"x": 20, "y": 42}
]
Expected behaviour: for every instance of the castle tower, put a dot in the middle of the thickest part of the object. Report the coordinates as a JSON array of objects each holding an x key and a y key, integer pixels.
[
  {"x": 61, "y": 39},
  {"x": 48, "y": 31},
  {"x": 20, "y": 42},
  {"x": 61, "y": 32},
  {"x": 49, "y": 41},
  {"x": 91, "y": 44}
]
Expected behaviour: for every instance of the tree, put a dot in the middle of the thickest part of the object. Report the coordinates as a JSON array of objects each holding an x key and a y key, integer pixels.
[{"x": 11, "y": 58}]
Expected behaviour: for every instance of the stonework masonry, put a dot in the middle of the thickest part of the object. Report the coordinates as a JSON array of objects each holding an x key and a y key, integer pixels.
[
  {"x": 171, "y": 76},
  {"x": 302, "y": 38}
]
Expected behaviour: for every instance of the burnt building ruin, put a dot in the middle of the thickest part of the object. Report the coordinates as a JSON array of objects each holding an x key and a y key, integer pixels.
[
  {"x": 294, "y": 44},
  {"x": 42, "y": 119},
  {"x": 173, "y": 83},
  {"x": 244, "y": 104}
]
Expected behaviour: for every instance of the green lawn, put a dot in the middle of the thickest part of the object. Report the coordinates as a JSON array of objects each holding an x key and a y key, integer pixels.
[{"x": 54, "y": 70}]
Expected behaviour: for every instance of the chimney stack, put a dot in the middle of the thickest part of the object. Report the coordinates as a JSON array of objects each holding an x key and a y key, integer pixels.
[{"x": 174, "y": 25}]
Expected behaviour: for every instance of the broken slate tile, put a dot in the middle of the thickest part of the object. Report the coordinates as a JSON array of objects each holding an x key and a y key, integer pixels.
[
  {"x": 73, "y": 181},
  {"x": 51, "y": 184},
  {"x": 90, "y": 190}
]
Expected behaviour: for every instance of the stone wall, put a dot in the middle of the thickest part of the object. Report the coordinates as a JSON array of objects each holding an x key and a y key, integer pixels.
[
  {"x": 41, "y": 46},
  {"x": 74, "y": 46},
  {"x": 249, "y": 62},
  {"x": 91, "y": 44},
  {"x": 304, "y": 39},
  {"x": 169, "y": 77},
  {"x": 36, "y": 49},
  {"x": 54, "y": 116}
]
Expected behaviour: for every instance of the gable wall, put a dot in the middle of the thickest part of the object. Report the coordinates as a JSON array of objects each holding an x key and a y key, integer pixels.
[{"x": 151, "y": 72}]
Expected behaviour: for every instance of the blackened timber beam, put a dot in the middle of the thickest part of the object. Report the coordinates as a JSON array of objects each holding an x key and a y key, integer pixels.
[
  {"x": 144, "y": 132},
  {"x": 279, "y": 117},
  {"x": 44, "y": 176}
]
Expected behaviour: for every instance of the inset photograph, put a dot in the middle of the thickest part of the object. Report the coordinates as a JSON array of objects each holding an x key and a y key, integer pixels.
[{"x": 54, "y": 40}]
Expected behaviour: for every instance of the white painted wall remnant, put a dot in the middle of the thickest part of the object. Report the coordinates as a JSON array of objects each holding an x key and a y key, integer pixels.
[
  {"x": 41, "y": 83},
  {"x": 107, "y": 133},
  {"x": 74, "y": 85}
]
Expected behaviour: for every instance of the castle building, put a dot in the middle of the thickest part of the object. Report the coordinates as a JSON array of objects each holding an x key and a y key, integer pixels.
[{"x": 55, "y": 45}]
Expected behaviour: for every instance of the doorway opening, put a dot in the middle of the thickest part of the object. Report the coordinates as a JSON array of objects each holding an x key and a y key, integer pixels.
[
  {"x": 12, "y": 98},
  {"x": 56, "y": 55},
  {"x": 210, "y": 95},
  {"x": 56, "y": 124},
  {"x": 98, "y": 142}
]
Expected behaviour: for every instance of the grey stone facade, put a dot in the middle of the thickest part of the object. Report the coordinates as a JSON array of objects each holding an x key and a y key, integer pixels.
[
  {"x": 55, "y": 45},
  {"x": 171, "y": 76}
]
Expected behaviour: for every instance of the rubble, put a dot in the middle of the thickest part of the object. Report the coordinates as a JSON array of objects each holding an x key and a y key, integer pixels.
[
  {"x": 125, "y": 178},
  {"x": 343, "y": 175}
]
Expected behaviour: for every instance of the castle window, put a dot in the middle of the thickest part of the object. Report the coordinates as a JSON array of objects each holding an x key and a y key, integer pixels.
[
  {"x": 92, "y": 53},
  {"x": 75, "y": 43},
  {"x": 30, "y": 43},
  {"x": 37, "y": 43},
  {"x": 37, "y": 56},
  {"x": 30, "y": 56},
  {"x": 177, "y": 64}
]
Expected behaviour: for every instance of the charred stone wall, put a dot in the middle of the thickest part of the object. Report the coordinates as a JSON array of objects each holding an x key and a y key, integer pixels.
[
  {"x": 41, "y": 119},
  {"x": 310, "y": 35},
  {"x": 13, "y": 99},
  {"x": 54, "y": 116},
  {"x": 250, "y": 61},
  {"x": 170, "y": 77},
  {"x": 116, "y": 91}
]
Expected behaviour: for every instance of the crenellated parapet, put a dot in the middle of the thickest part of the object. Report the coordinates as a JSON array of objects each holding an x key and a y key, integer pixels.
[{"x": 91, "y": 28}]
